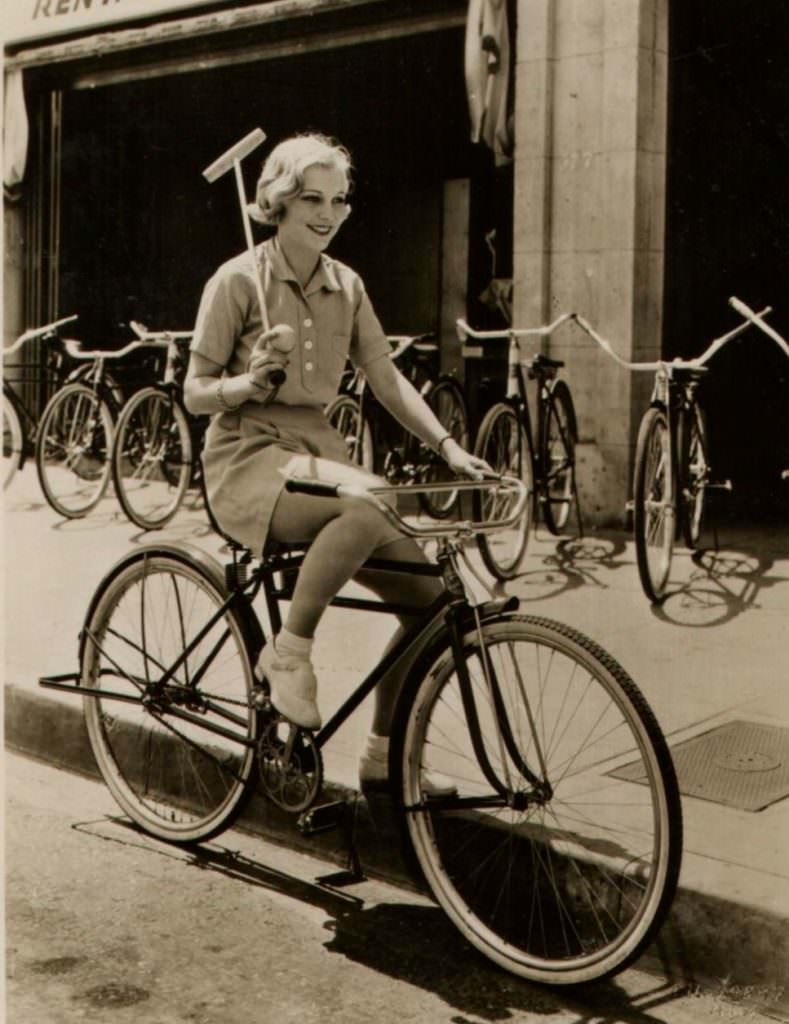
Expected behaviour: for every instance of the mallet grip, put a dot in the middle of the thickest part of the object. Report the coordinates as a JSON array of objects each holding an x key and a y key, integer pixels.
[{"x": 223, "y": 163}]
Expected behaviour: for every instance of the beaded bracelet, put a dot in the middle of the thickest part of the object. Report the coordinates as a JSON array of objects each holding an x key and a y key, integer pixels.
[{"x": 220, "y": 397}]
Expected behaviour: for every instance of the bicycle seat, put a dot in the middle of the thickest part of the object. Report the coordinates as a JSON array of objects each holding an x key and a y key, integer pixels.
[{"x": 541, "y": 364}]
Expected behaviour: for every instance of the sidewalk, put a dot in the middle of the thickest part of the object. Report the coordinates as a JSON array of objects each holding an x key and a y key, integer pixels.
[{"x": 714, "y": 653}]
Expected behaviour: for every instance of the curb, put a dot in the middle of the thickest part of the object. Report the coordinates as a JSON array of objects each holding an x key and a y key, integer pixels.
[{"x": 705, "y": 941}]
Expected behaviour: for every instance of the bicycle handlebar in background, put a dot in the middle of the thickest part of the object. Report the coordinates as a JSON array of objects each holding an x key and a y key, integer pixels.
[
  {"x": 465, "y": 331},
  {"x": 372, "y": 495},
  {"x": 757, "y": 321},
  {"x": 38, "y": 332}
]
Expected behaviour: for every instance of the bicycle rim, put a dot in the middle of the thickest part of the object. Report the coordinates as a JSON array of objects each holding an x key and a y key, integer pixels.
[
  {"x": 557, "y": 458},
  {"x": 177, "y": 757},
  {"x": 345, "y": 416},
  {"x": 653, "y": 516},
  {"x": 504, "y": 444},
  {"x": 446, "y": 401},
  {"x": 572, "y": 887},
  {"x": 152, "y": 458},
  {"x": 12, "y": 441},
  {"x": 73, "y": 450},
  {"x": 695, "y": 474}
]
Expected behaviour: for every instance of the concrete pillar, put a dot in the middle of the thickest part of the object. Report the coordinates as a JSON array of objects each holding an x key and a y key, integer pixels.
[{"x": 590, "y": 114}]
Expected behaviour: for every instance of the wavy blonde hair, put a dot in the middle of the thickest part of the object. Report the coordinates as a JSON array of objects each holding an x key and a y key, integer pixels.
[{"x": 282, "y": 177}]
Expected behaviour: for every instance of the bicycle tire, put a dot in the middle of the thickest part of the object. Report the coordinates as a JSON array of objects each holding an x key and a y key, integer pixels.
[
  {"x": 152, "y": 457},
  {"x": 572, "y": 886},
  {"x": 558, "y": 439},
  {"x": 13, "y": 441},
  {"x": 448, "y": 404},
  {"x": 166, "y": 769},
  {"x": 693, "y": 473},
  {"x": 82, "y": 375},
  {"x": 345, "y": 415},
  {"x": 74, "y": 448},
  {"x": 654, "y": 525},
  {"x": 504, "y": 444}
]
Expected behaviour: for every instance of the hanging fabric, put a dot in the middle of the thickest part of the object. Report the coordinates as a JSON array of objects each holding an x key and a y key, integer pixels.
[
  {"x": 487, "y": 72},
  {"x": 15, "y": 130}
]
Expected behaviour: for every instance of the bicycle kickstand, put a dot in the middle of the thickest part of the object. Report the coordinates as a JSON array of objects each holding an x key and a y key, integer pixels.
[{"x": 342, "y": 814}]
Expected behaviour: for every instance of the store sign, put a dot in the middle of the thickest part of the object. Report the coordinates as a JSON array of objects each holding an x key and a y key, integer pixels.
[{"x": 25, "y": 20}]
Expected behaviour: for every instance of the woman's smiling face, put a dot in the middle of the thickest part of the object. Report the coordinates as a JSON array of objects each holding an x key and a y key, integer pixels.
[{"x": 314, "y": 217}]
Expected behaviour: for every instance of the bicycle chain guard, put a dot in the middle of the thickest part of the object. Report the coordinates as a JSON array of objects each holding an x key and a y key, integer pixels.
[{"x": 290, "y": 766}]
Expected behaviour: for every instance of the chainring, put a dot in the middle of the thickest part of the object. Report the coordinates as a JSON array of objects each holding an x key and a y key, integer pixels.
[{"x": 290, "y": 765}]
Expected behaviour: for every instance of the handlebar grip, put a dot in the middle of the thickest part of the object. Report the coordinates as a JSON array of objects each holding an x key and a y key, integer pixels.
[
  {"x": 317, "y": 488},
  {"x": 277, "y": 377}
]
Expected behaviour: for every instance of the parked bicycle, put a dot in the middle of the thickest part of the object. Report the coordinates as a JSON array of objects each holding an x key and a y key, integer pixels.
[
  {"x": 156, "y": 451},
  {"x": 543, "y": 456},
  {"x": 672, "y": 460},
  {"x": 20, "y": 421},
  {"x": 549, "y": 863},
  {"x": 367, "y": 429},
  {"x": 74, "y": 439}
]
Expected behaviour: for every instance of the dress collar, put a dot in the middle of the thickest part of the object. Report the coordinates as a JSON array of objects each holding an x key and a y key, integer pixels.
[{"x": 325, "y": 275}]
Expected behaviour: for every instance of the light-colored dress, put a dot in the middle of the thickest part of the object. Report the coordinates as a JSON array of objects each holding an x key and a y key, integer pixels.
[{"x": 247, "y": 450}]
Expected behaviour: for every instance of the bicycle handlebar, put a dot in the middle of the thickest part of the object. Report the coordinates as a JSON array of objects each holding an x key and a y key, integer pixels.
[
  {"x": 158, "y": 337},
  {"x": 76, "y": 351},
  {"x": 372, "y": 495},
  {"x": 465, "y": 331},
  {"x": 38, "y": 332},
  {"x": 757, "y": 321},
  {"x": 402, "y": 342},
  {"x": 659, "y": 364}
]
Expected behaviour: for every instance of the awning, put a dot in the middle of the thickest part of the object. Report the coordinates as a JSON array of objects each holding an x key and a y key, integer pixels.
[{"x": 15, "y": 130}]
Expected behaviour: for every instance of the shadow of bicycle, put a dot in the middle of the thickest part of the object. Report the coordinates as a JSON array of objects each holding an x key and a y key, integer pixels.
[{"x": 574, "y": 562}]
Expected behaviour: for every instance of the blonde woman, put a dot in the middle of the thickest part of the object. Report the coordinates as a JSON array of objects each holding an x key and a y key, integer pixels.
[{"x": 258, "y": 436}]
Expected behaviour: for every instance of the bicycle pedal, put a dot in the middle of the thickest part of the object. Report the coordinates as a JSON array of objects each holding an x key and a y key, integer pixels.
[
  {"x": 323, "y": 817},
  {"x": 723, "y": 485}
]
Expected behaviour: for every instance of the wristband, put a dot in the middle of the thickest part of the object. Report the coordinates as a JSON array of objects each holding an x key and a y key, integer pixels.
[
  {"x": 220, "y": 397},
  {"x": 446, "y": 437}
]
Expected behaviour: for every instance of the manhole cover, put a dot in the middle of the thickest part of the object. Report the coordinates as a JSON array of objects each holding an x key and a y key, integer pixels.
[{"x": 739, "y": 764}]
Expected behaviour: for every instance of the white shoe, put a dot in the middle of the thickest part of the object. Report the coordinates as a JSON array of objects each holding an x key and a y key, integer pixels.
[
  {"x": 293, "y": 686},
  {"x": 375, "y": 770}
]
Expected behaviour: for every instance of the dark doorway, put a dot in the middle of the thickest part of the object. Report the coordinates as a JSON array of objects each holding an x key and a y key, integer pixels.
[{"x": 728, "y": 227}]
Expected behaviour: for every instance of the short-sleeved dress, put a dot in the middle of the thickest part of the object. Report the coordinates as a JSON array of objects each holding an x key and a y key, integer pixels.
[{"x": 247, "y": 451}]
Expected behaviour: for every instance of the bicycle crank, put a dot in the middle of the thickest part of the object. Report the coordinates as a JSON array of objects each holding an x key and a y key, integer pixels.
[{"x": 290, "y": 766}]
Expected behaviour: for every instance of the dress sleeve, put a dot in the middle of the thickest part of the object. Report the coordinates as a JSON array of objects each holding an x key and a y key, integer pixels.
[
  {"x": 368, "y": 341},
  {"x": 221, "y": 316}
]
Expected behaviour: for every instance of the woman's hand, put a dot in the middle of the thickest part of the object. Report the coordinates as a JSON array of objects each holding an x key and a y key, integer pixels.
[
  {"x": 464, "y": 463},
  {"x": 271, "y": 353}
]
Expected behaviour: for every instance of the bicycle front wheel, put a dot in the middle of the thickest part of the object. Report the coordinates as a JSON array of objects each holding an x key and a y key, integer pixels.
[
  {"x": 557, "y": 457},
  {"x": 73, "y": 450},
  {"x": 546, "y": 859},
  {"x": 504, "y": 444},
  {"x": 152, "y": 457},
  {"x": 694, "y": 473},
  {"x": 345, "y": 415},
  {"x": 449, "y": 406},
  {"x": 653, "y": 496},
  {"x": 173, "y": 739},
  {"x": 13, "y": 442}
]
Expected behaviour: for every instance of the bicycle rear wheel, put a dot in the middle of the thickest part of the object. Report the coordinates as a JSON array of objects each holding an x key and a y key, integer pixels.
[
  {"x": 73, "y": 449},
  {"x": 653, "y": 495},
  {"x": 13, "y": 441},
  {"x": 557, "y": 457},
  {"x": 564, "y": 878},
  {"x": 152, "y": 457},
  {"x": 694, "y": 472},
  {"x": 345, "y": 415},
  {"x": 177, "y": 753},
  {"x": 504, "y": 444},
  {"x": 447, "y": 402}
]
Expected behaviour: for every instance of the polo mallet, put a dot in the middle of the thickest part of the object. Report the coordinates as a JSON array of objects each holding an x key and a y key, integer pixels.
[{"x": 232, "y": 158}]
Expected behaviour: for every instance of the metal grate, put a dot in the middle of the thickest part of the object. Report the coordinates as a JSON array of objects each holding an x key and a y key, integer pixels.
[{"x": 739, "y": 764}]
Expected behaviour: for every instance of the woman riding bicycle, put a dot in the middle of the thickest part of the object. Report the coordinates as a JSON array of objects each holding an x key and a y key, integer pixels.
[{"x": 260, "y": 435}]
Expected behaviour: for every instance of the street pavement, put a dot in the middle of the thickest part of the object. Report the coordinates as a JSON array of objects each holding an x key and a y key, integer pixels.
[{"x": 715, "y": 652}]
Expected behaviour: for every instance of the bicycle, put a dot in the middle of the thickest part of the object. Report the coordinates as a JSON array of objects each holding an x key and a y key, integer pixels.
[
  {"x": 366, "y": 428},
  {"x": 74, "y": 439},
  {"x": 19, "y": 418},
  {"x": 546, "y": 861},
  {"x": 672, "y": 461},
  {"x": 156, "y": 450},
  {"x": 506, "y": 440}
]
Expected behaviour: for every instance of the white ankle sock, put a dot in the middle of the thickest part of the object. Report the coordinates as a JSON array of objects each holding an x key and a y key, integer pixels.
[
  {"x": 297, "y": 646},
  {"x": 377, "y": 747}
]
